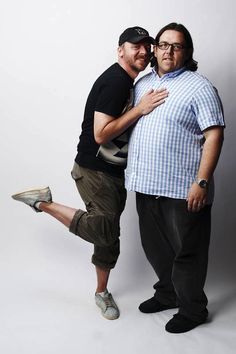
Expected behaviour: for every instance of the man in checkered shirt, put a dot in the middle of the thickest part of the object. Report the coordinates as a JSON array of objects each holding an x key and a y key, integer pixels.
[{"x": 171, "y": 160}]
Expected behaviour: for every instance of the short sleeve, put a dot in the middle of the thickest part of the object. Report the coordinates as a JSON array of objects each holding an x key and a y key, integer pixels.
[
  {"x": 113, "y": 97},
  {"x": 208, "y": 108}
]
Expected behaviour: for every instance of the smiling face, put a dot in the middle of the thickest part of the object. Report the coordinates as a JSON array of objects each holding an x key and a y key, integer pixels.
[
  {"x": 134, "y": 57},
  {"x": 169, "y": 60}
]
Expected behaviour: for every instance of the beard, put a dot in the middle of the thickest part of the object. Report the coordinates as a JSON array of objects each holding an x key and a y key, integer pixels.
[{"x": 138, "y": 66}]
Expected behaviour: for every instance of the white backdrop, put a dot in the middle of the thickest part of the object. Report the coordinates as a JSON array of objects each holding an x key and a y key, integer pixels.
[{"x": 51, "y": 53}]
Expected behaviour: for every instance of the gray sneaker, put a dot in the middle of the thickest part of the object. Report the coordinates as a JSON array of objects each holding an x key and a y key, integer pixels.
[
  {"x": 108, "y": 306},
  {"x": 33, "y": 196}
]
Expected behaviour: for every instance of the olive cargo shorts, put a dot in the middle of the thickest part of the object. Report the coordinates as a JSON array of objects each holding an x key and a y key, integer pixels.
[{"x": 104, "y": 197}]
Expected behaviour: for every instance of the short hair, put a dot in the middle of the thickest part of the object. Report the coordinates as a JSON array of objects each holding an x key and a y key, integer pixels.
[{"x": 190, "y": 63}]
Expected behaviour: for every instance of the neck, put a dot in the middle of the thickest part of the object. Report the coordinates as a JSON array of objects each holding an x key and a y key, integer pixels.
[
  {"x": 130, "y": 71},
  {"x": 158, "y": 72}
]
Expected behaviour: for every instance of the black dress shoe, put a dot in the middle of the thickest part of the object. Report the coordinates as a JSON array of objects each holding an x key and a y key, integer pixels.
[
  {"x": 181, "y": 324},
  {"x": 153, "y": 305}
]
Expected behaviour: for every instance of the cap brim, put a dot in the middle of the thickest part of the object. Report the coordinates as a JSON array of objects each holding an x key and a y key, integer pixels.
[{"x": 139, "y": 39}]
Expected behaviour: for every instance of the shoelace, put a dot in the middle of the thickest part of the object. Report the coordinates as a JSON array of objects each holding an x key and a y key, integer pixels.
[{"x": 109, "y": 301}]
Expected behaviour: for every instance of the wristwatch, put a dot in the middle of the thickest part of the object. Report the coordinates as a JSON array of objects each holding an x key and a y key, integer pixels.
[{"x": 203, "y": 183}]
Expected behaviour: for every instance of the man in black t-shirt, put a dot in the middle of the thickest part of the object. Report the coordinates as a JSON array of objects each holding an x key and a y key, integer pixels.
[{"x": 101, "y": 159}]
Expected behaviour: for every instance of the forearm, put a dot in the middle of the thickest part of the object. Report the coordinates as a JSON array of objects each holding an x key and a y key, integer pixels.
[
  {"x": 107, "y": 127},
  {"x": 197, "y": 196},
  {"x": 116, "y": 127}
]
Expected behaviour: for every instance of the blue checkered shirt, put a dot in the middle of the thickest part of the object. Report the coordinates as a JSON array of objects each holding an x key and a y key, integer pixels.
[{"x": 165, "y": 146}]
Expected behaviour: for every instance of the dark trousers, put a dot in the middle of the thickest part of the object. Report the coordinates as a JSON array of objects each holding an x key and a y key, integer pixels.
[{"x": 176, "y": 243}]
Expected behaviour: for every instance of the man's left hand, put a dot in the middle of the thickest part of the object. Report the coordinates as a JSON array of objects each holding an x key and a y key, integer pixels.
[{"x": 196, "y": 198}]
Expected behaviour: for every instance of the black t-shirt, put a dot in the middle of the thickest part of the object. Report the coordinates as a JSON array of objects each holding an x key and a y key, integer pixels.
[{"x": 111, "y": 94}]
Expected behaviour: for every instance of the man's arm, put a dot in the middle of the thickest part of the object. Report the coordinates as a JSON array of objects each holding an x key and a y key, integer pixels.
[
  {"x": 107, "y": 127},
  {"x": 214, "y": 137}
]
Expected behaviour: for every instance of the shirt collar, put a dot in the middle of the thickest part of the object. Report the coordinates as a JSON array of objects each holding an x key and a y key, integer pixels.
[{"x": 171, "y": 74}]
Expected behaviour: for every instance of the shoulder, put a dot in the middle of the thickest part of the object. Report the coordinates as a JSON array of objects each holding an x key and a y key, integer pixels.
[
  {"x": 197, "y": 82},
  {"x": 142, "y": 80},
  {"x": 115, "y": 76},
  {"x": 195, "y": 76},
  {"x": 112, "y": 80}
]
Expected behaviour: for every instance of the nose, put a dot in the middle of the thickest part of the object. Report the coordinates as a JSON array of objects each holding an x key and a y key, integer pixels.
[
  {"x": 170, "y": 49},
  {"x": 143, "y": 49}
]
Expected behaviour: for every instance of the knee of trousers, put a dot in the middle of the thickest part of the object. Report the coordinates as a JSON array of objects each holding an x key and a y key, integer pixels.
[
  {"x": 107, "y": 229},
  {"x": 101, "y": 229}
]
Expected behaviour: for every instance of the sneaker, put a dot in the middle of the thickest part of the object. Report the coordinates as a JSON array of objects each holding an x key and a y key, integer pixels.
[
  {"x": 108, "y": 306},
  {"x": 33, "y": 196}
]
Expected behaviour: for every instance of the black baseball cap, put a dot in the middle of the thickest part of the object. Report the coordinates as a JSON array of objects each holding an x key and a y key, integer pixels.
[{"x": 135, "y": 35}]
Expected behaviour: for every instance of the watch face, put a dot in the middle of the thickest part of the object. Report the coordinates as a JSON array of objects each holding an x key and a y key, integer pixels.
[{"x": 203, "y": 183}]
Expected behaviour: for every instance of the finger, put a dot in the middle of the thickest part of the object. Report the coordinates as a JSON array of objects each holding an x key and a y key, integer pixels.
[
  {"x": 160, "y": 90},
  {"x": 158, "y": 103},
  {"x": 158, "y": 98},
  {"x": 149, "y": 92},
  {"x": 189, "y": 205},
  {"x": 199, "y": 206},
  {"x": 194, "y": 206},
  {"x": 160, "y": 95}
]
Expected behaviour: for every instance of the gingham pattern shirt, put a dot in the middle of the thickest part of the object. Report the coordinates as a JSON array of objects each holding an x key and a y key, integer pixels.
[{"x": 165, "y": 146}]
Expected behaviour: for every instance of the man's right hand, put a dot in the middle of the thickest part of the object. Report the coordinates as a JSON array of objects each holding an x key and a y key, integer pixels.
[
  {"x": 107, "y": 127},
  {"x": 151, "y": 100}
]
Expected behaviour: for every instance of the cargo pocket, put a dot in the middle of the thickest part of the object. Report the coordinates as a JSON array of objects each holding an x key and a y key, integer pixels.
[{"x": 76, "y": 172}]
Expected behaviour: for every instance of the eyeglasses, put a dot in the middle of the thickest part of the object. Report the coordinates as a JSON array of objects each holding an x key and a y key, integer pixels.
[{"x": 175, "y": 46}]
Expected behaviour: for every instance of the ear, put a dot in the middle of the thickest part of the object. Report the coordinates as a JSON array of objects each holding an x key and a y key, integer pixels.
[
  {"x": 120, "y": 51},
  {"x": 155, "y": 50}
]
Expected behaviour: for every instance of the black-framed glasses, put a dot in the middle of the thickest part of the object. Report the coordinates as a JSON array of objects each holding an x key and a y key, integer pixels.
[{"x": 175, "y": 46}]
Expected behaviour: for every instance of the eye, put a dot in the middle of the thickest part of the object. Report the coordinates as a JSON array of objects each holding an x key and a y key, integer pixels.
[
  {"x": 177, "y": 46},
  {"x": 163, "y": 45}
]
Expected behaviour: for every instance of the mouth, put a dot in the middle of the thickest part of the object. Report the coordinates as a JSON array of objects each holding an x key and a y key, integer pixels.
[
  {"x": 142, "y": 59},
  {"x": 167, "y": 61}
]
